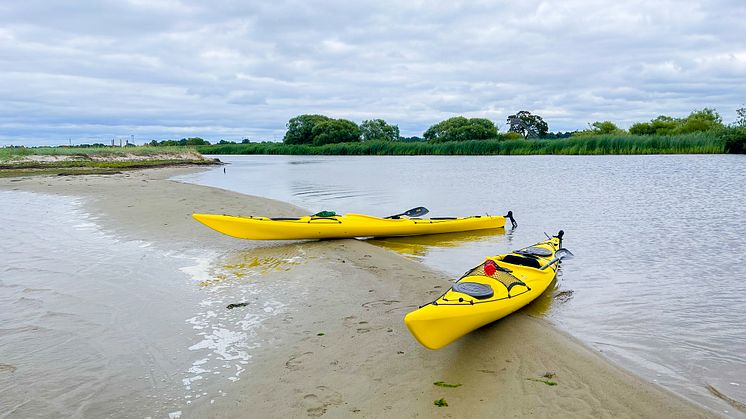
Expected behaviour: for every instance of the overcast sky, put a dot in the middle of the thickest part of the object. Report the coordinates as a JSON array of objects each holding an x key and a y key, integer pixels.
[{"x": 94, "y": 70}]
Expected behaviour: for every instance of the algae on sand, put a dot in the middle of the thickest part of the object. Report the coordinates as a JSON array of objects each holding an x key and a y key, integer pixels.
[
  {"x": 547, "y": 382},
  {"x": 446, "y": 385}
]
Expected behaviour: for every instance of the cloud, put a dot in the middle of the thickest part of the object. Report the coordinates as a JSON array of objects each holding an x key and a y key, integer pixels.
[{"x": 233, "y": 69}]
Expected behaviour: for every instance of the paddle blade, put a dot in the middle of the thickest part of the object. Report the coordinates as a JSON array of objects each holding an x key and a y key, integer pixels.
[
  {"x": 564, "y": 254},
  {"x": 413, "y": 213},
  {"x": 558, "y": 256},
  {"x": 416, "y": 212}
]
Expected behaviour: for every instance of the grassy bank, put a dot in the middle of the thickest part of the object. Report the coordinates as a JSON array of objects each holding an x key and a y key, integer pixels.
[
  {"x": 23, "y": 161},
  {"x": 700, "y": 143}
]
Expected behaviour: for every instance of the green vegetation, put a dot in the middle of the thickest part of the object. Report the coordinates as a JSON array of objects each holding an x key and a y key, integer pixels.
[
  {"x": 528, "y": 125},
  {"x": 320, "y": 130},
  {"x": 183, "y": 142},
  {"x": 547, "y": 382},
  {"x": 446, "y": 385},
  {"x": 700, "y": 143},
  {"x": 461, "y": 129},
  {"x": 335, "y": 131},
  {"x": 300, "y": 128},
  {"x": 698, "y": 121},
  {"x": 441, "y": 403},
  {"x": 600, "y": 128},
  {"x": 378, "y": 130},
  {"x": 701, "y": 132},
  {"x": 735, "y": 140},
  {"x": 546, "y": 379}
]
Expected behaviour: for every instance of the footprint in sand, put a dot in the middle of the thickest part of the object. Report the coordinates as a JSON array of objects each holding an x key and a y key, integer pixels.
[
  {"x": 295, "y": 362},
  {"x": 378, "y": 303},
  {"x": 317, "y": 404},
  {"x": 7, "y": 368}
]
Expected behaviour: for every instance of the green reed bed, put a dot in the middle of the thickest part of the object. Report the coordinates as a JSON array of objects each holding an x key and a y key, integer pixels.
[{"x": 700, "y": 143}]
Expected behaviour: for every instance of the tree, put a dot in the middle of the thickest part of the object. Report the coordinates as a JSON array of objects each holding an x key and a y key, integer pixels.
[
  {"x": 193, "y": 141},
  {"x": 661, "y": 125},
  {"x": 378, "y": 130},
  {"x": 528, "y": 125},
  {"x": 699, "y": 121},
  {"x": 300, "y": 128},
  {"x": 741, "y": 120},
  {"x": 557, "y": 135},
  {"x": 461, "y": 129},
  {"x": 600, "y": 128},
  {"x": 605, "y": 127},
  {"x": 335, "y": 131}
]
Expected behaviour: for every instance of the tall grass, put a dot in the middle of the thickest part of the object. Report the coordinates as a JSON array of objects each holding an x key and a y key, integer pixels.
[{"x": 697, "y": 143}]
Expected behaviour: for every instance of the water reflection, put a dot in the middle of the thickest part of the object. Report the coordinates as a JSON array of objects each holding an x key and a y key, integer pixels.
[{"x": 417, "y": 247}]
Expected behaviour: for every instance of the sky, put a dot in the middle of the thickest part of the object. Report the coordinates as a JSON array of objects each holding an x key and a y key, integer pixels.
[{"x": 90, "y": 71}]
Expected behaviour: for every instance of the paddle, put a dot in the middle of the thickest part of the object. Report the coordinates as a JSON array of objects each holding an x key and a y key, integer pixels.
[
  {"x": 558, "y": 256},
  {"x": 414, "y": 212}
]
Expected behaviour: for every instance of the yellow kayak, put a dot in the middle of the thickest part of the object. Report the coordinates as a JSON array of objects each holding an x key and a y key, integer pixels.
[
  {"x": 343, "y": 226},
  {"x": 499, "y": 286}
]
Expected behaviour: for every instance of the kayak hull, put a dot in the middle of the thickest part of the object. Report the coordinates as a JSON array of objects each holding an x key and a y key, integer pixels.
[
  {"x": 344, "y": 226},
  {"x": 455, "y": 314}
]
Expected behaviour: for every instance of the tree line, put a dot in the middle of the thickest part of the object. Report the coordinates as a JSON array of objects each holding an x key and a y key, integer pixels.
[{"x": 319, "y": 130}]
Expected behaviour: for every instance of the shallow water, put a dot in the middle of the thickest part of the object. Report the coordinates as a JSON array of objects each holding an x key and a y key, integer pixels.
[
  {"x": 95, "y": 326},
  {"x": 658, "y": 278}
]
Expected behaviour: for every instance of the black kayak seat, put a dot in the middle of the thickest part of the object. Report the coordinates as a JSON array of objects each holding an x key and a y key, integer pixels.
[
  {"x": 534, "y": 251},
  {"x": 522, "y": 261}
]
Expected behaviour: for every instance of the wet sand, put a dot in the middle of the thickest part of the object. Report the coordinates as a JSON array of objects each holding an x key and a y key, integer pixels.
[{"x": 343, "y": 350}]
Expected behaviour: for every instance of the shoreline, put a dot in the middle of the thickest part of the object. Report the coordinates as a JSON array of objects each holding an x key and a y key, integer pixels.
[
  {"x": 342, "y": 348},
  {"x": 95, "y": 161}
]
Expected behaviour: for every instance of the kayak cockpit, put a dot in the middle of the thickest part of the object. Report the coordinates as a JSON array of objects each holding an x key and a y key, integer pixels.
[{"x": 514, "y": 259}]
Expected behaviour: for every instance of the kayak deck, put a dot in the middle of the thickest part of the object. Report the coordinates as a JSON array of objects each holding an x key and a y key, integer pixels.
[{"x": 341, "y": 226}]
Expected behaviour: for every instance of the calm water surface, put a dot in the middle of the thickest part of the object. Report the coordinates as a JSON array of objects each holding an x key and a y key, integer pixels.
[
  {"x": 92, "y": 325},
  {"x": 658, "y": 282}
]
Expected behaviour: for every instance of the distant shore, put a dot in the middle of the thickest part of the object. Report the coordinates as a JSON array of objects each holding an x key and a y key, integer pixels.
[
  {"x": 342, "y": 349},
  {"x": 64, "y": 161}
]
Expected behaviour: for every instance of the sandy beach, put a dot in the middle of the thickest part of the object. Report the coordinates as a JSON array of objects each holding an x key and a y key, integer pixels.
[{"x": 341, "y": 349}]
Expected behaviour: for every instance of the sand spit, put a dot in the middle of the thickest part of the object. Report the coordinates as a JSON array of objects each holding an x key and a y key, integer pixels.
[{"x": 341, "y": 349}]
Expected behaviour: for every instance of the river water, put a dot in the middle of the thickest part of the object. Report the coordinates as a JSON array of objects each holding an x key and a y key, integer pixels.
[{"x": 659, "y": 278}]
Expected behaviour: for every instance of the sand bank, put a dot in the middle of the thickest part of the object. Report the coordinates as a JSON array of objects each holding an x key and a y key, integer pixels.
[{"x": 342, "y": 349}]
